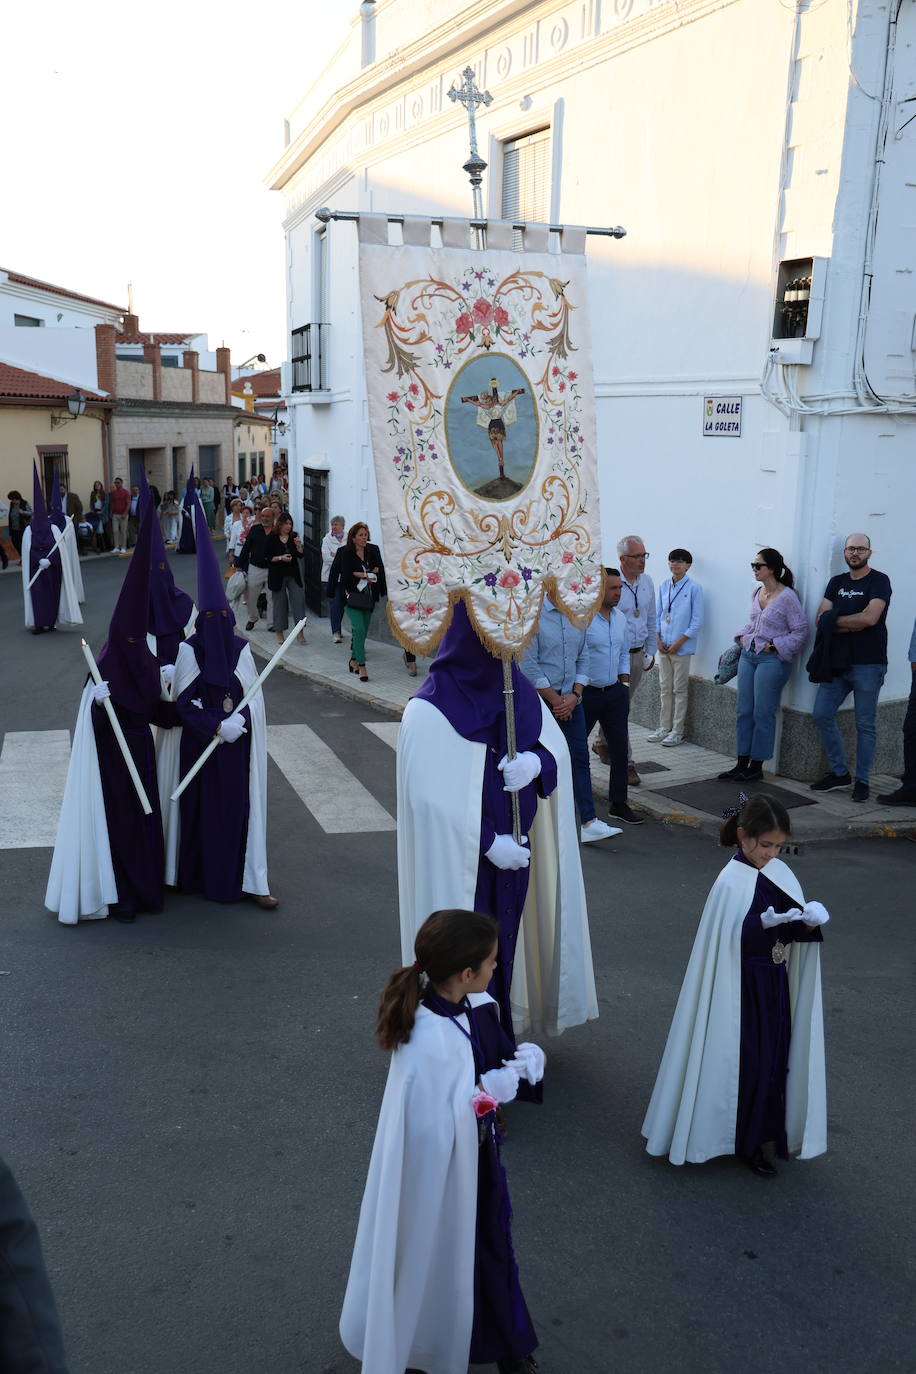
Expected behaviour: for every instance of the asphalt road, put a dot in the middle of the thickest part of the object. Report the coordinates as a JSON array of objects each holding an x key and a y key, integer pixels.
[{"x": 189, "y": 1103}]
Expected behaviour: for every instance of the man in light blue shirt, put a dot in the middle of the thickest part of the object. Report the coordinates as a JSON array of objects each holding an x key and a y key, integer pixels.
[
  {"x": 606, "y": 697},
  {"x": 905, "y": 794},
  {"x": 679, "y": 610},
  {"x": 556, "y": 662}
]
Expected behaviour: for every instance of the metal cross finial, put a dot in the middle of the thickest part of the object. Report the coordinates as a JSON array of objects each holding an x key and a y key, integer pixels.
[{"x": 470, "y": 97}]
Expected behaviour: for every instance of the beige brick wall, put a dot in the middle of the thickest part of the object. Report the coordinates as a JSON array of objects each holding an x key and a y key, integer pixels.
[
  {"x": 164, "y": 432},
  {"x": 135, "y": 379},
  {"x": 176, "y": 384},
  {"x": 212, "y": 387}
]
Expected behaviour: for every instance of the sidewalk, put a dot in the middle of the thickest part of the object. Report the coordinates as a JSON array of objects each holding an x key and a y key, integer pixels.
[{"x": 815, "y": 817}]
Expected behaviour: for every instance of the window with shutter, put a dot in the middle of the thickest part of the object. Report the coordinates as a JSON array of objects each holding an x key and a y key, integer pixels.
[{"x": 526, "y": 177}]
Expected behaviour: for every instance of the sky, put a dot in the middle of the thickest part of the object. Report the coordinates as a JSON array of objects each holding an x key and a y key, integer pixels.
[{"x": 137, "y": 138}]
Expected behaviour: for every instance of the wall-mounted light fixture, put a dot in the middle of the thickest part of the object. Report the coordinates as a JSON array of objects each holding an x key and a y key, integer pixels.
[{"x": 76, "y": 404}]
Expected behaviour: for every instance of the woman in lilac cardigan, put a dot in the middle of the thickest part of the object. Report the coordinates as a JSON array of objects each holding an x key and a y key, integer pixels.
[{"x": 776, "y": 629}]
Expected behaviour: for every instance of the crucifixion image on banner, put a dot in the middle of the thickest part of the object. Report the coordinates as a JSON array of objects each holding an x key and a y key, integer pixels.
[{"x": 481, "y": 413}]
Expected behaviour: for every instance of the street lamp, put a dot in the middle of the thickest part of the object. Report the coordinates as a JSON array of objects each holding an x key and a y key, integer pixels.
[
  {"x": 279, "y": 426},
  {"x": 76, "y": 405},
  {"x": 255, "y": 358}
]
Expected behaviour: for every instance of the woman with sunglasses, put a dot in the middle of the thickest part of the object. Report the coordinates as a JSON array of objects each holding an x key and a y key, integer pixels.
[{"x": 776, "y": 630}]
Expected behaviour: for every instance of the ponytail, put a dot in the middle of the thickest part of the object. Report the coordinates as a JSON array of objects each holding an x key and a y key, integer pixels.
[
  {"x": 447, "y": 942},
  {"x": 774, "y": 561},
  {"x": 398, "y": 1007}
]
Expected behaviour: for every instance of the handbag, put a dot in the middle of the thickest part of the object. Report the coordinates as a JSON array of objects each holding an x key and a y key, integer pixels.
[
  {"x": 361, "y": 600},
  {"x": 235, "y": 587},
  {"x": 728, "y": 664}
]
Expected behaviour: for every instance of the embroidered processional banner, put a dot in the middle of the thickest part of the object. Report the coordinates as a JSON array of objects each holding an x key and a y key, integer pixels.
[{"x": 482, "y": 419}]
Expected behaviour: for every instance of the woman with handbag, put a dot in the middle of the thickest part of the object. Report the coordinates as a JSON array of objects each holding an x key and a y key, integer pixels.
[
  {"x": 283, "y": 552},
  {"x": 776, "y": 630},
  {"x": 359, "y": 567}
]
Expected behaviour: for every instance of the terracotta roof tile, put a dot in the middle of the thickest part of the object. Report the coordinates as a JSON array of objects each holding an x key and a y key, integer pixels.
[
  {"x": 262, "y": 383},
  {"x": 59, "y": 290},
  {"x": 16, "y": 382}
]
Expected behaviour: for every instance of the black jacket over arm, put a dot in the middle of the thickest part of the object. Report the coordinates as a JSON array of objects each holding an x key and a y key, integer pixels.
[{"x": 276, "y": 572}]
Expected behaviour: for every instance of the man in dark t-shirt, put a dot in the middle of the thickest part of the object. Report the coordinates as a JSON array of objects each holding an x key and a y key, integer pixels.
[{"x": 858, "y": 599}]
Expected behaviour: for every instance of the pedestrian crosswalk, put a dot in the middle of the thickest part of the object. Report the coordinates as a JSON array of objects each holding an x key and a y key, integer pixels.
[{"x": 33, "y": 771}]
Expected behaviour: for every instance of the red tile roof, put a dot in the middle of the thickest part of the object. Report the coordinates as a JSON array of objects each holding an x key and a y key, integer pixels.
[
  {"x": 262, "y": 383},
  {"x": 16, "y": 382},
  {"x": 154, "y": 338},
  {"x": 59, "y": 290}
]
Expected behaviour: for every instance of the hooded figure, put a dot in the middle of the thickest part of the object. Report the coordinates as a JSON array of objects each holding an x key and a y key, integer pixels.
[
  {"x": 221, "y": 845},
  {"x": 108, "y": 856},
  {"x": 186, "y": 542},
  {"x": 70, "y": 550},
  {"x": 455, "y": 846},
  {"x": 171, "y": 611},
  {"x": 53, "y": 595}
]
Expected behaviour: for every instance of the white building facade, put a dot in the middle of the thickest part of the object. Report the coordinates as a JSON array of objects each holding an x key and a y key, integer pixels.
[{"x": 762, "y": 158}]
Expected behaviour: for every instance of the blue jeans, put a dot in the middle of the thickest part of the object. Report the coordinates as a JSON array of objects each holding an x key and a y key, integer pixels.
[
  {"x": 577, "y": 740},
  {"x": 864, "y": 681},
  {"x": 761, "y": 678},
  {"x": 336, "y": 609}
]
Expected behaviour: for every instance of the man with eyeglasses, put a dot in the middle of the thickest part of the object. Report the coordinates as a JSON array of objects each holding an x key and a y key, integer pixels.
[
  {"x": 637, "y": 601},
  {"x": 855, "y": 606}
]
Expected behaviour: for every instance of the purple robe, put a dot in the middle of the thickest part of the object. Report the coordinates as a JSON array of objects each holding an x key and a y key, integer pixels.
[
  {"x": 135, "y": 840},
  {"x": 214, "y": 806},
  {"x": 465, "y": 683},
  {"x": 766, "y": 1022},
  {"x": 45, "y": 593},
  {"x": 502, "y": 1328}
]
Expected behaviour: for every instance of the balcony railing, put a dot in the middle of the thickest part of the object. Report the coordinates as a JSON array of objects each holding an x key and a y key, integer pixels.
[{"x": 309, "y": 357}]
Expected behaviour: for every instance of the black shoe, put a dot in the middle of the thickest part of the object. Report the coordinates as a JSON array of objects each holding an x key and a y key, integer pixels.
[
  {"x": 902, "y": 797},
  {"x": 621, "y": 812},
  {"x": 250, "y": 625},
  {"x": 528, "y": 1365},
  {"x": 752, "y": 773},
  {"x": 760, "y": 1165},
  {"x": 738, "y": 771},
  {"x": 860, "y": 791},
  {"x": 126, "y": 918},
  {"x": 831, "y": 782}
]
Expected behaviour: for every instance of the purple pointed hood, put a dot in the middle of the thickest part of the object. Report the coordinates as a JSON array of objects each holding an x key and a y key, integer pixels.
[
  {"x": 40, "y": 524},
  {"x": 465, "y": 682},
  {"x": 170, "y": 608},
  {"x": 215, "y": 642},
  {"x": 187, "y": 541},
  {"x": 126, "y": 663},
  {"x": 57, "y": 515}
]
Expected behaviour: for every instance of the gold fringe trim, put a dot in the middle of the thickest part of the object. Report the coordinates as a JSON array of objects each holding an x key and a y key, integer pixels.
[{"x": 426, "y": 647}]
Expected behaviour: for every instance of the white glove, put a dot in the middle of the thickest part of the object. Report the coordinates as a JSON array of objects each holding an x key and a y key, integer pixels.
[
  {"x": 518, "y": 772},
  {"x": 501, "y": 1083},
  {"x": 232, "y": 728},
  {"x": 167, "y": 672},
  {"x": 770, "y": 918},
  {"x": 505, "y": 853},
  {"x": 44, "y": 562},
  {"x": 528, "y": 1062},
  {"x": 815, "y": 914},
  {"x": 100, "y": 690}
]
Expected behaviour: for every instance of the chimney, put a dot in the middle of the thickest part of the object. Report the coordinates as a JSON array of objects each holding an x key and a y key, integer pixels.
[
  {"x": 225, "y": 367},
  {"x": 152, "y": 354},
  {"x": 105, "y": 358},
  {"x": 192, "y": 361},
  {"x": 131, "y": 324}
]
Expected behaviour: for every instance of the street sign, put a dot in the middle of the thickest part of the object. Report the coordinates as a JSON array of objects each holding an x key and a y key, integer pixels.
[{"x": 722, "y": 417}]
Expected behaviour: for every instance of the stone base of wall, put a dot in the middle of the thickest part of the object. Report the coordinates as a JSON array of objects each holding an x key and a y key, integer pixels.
[{"x": 711, "y": 724}]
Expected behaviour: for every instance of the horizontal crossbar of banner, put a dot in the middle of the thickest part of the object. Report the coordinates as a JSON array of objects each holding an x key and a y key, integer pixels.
[{"x": 324, "y": 214}]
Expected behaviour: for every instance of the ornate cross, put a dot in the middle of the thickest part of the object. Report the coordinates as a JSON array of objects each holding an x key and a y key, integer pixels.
[{"x": 470, "y": 97}]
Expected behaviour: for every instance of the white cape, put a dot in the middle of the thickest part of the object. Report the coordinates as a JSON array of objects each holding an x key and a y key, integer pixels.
[
  {"x": 410, "y": 1295},
  {"x": 71, "y": 554},
  {"x": 81, "y": 882},
  {"x": 440, "y": 779},
  {"x": 254, "y": 878},
  {"x": 68, "y": 612},
  {"x": 693, "y": 1110}
]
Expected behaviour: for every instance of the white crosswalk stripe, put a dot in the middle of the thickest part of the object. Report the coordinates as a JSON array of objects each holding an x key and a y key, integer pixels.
[
  {"x": 386, "y": 730},
  {"x": 33, "y": 770},
  {"x": 335, "y": 797}
]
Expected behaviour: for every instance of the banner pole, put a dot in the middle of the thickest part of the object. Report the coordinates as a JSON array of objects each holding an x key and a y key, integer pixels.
[
  {"x": 509, "y": 696},
  {"x": 613, "y": 232}
]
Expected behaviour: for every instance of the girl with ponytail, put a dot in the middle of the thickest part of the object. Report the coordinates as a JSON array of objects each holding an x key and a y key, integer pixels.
[
  {"x": 776, "y": 630},
  {"x": 433, "y": 1281},
  {"x": 743, "y": 1069}
]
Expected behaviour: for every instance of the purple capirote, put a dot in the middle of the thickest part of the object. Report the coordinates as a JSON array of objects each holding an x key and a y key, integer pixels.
[
  {"x": 170, "y": 608},
  {"x": 45, "y": 592}
]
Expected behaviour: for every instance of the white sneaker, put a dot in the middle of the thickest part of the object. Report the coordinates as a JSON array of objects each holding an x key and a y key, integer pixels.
[
  {"x": 656, "y": 735},
  {"x": 597, "y": 830},
  {"x": 673, "y": 738}
]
